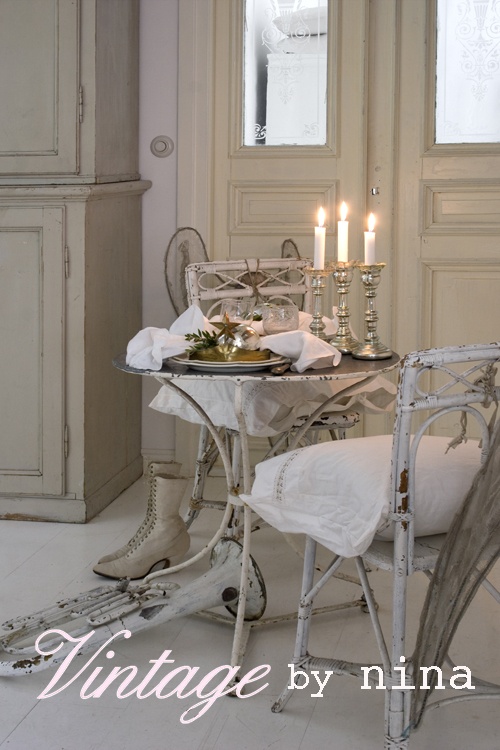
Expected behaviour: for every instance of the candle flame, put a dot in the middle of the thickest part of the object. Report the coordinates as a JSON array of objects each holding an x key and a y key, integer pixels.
[
  {"x": 321, "y": 217},
  {"x": 371, "y": 223},
  {"x": 343, "y": 211}
]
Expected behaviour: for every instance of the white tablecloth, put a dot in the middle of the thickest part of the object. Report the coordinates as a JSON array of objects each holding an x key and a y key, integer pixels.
[{"x": 273, "y": 407}]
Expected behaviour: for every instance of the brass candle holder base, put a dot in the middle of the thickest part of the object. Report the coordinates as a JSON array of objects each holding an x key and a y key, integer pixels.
[
  {"x": 343, "y": 340},
  {"x": 317, "y": 327},
  {"x": 371, "y": 347}
]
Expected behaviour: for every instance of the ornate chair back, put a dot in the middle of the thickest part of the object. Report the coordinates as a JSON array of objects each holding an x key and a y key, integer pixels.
[{"x": 265, "y": 279}]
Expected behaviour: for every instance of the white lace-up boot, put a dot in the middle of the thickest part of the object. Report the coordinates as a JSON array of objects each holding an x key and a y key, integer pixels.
[
  {"x": 161, "y": 538},
  {"x": 154, "y": 470}
]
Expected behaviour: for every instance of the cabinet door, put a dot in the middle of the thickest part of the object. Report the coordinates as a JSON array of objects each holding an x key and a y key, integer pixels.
[
  {"x": 31, "y": 336},
  {"x": 39, "y": 87}
]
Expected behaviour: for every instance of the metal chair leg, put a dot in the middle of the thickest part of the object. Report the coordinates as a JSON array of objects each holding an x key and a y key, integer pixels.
[{"x": 304, "y": 619}]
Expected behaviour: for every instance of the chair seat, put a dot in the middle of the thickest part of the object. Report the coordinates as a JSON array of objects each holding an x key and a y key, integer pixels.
[
  {"x": 426, "y": 551},
  {"x": 380, "y": 554}
]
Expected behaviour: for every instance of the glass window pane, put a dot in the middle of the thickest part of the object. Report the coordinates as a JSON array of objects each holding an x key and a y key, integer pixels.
[
  {"x": 468, "y": 71},
  {"x": 285, "y": 72}
]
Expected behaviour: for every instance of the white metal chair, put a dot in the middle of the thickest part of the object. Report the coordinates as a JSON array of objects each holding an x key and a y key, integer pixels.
[
  {"x": 409, "y": 488},
  {"x": 266, "y": 280}
]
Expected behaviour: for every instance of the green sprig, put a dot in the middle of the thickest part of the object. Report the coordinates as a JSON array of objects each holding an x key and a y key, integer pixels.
[{"x": 202, "y": 340}]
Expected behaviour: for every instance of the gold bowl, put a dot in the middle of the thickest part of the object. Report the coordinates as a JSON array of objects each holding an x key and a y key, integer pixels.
[{"x": 230, "y": 353}]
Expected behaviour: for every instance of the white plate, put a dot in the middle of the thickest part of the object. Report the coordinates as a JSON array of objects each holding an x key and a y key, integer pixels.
[{"x": 197, "y": 364}]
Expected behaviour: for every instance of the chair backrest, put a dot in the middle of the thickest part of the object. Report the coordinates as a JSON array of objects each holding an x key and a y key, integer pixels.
[
  {"x": 266, "y": 279},
  {"x": 434, "y": 384}
]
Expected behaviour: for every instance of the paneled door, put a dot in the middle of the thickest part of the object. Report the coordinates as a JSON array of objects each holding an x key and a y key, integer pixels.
[
  {"x": 447, "y": 210},
  {"x": 437, "y": 203},
  {"x": 250, "y": 196}
]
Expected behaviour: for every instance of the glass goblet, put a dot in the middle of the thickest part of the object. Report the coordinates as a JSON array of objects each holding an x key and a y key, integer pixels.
[{"x": 280, "y": 318}]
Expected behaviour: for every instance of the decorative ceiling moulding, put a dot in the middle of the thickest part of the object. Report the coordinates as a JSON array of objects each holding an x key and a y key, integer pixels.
[
  {"x": 461, "y": 207},
  {"x": 257, "y": 208}
]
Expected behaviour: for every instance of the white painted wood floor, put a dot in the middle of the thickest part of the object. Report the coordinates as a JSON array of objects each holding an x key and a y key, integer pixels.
[{"x": 42, "y": 562}]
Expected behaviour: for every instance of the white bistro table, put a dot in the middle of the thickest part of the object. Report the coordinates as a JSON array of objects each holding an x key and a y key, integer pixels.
[{"x": 190, "y": 385}]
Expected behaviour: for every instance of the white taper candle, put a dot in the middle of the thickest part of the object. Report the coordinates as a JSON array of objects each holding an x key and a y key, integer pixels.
[
  {"x": 370, "y": 242},
  {"x": 319, "y": 242}
]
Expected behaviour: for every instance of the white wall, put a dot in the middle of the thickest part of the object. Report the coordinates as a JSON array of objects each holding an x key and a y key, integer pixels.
[{"x": 158, "y": 116}]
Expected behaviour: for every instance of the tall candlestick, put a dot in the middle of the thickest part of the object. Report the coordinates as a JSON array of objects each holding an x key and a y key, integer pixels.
[
  {"x": 319, "y": 242},
  {"x": 370, "y": 242},
  {"x": 342, "y": 236},
  {"x": 371, "y": 347}
]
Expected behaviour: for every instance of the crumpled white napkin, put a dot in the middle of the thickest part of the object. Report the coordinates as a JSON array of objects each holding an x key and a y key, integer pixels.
[
  {"x": 149, "y": 347},
  {"x": 308, "y": 351}
]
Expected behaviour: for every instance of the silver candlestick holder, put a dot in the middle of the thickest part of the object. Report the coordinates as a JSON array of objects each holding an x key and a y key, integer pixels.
[
  {"x": 371, "y": 347},
  {"x": 343, "y": 340},
  {"x": 317, "y": 327}
]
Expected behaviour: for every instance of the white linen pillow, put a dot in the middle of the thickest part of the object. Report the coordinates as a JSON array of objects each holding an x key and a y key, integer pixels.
[
  {"x": 312, "y": 20},
  {"x": 339, "y": 492}
]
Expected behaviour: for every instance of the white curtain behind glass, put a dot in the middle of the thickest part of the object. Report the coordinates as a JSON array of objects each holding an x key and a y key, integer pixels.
[{"x": 468, "y": 71}]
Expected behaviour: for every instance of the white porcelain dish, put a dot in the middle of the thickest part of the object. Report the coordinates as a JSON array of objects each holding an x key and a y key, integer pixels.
[{"x": 202, "y": 366}]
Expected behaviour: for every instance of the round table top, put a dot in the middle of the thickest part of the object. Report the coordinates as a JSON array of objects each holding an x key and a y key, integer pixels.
[{"x": 348, "y": 367}]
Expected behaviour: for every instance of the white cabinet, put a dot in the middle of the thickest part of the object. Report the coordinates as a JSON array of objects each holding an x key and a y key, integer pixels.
[
  {"x": 70, "y": 298},
  {"x": 69, "y": 83},
  {"x": 70, "y": 255}
]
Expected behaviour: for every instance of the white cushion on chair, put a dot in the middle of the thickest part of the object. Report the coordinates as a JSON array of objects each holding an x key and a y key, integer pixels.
[{"x": 339, "y": 492}]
